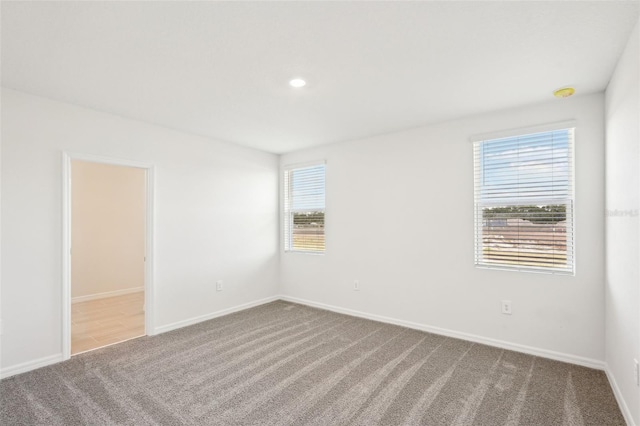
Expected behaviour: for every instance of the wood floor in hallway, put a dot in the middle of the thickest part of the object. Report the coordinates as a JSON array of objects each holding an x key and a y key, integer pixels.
[{"x": 102, "y": 322}]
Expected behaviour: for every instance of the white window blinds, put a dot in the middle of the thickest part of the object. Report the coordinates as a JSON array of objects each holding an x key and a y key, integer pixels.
[
  {"x": 304, "y": 209},
  {"x": 524, "y": 202}
]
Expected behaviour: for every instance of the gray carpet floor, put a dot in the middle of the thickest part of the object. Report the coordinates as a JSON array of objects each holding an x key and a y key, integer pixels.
[{"x": 288, "y": 364}]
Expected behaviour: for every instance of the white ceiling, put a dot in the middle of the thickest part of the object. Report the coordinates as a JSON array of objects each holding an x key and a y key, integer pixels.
[{"x": 221, "y": 69}]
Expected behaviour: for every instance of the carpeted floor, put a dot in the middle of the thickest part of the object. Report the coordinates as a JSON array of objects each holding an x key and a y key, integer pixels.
[{"x": 287, "y": 364}]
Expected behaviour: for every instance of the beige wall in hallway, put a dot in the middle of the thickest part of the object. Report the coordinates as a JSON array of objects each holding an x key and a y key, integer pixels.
[{"x": 108, "y": 226}]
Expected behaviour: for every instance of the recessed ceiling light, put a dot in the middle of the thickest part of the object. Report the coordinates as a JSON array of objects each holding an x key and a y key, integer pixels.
[
  {"x": 297, "y": 83},
  {"x": 565, "y": 92}
]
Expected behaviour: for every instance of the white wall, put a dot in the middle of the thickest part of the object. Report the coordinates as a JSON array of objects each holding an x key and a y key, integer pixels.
[
  {"x": 108, "y": 228},
  {"x": 216, "y": 217},
  {"x": 400, "y": 220},
  {"x": 623, "y": 232}
]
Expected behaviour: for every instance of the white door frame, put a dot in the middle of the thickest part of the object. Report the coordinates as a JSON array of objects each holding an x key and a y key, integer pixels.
[{"x": 67, "y": 157}]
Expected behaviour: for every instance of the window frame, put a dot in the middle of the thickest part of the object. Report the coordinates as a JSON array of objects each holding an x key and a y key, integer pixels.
[
  {"x": 570, "y": 201},
  {"x": 287, "y": 212}
]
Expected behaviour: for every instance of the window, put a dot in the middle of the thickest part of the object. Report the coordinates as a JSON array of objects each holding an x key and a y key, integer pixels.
[
  {"x": 524, "y": 202},
  {"x": 304, "y": 194}
]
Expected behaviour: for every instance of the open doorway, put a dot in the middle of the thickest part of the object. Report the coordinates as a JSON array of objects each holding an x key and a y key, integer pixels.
[{"x": 107, "y": 235}]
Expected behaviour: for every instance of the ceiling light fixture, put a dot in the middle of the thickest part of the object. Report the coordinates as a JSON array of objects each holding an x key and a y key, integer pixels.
[
  {"x": 297, "y": 83},
  {"x": 565, "y": 92}
]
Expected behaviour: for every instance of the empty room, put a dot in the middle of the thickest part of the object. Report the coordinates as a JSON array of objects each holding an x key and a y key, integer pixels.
[{"x": 320, "y": 213}]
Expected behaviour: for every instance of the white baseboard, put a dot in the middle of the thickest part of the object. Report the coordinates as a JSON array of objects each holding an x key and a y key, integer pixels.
[
  {"x": 573, "y": 359},
  {"x": 618, "y": 394},
  {"x": 106, "y": 294},
  {"x": 53, "y": 359},
  {"x": 544, "y": 353},
  {"x": 195, "y": 320},
  {"x": 30, "y": 365}
]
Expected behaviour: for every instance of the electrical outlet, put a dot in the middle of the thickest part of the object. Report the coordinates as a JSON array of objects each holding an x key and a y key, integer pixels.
[
  {"x": 356, "y": 285},
  {"x": 635, "y": 361},
  {"x": 506, "y": 307},
  {"x": 219, "y": 285}
]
